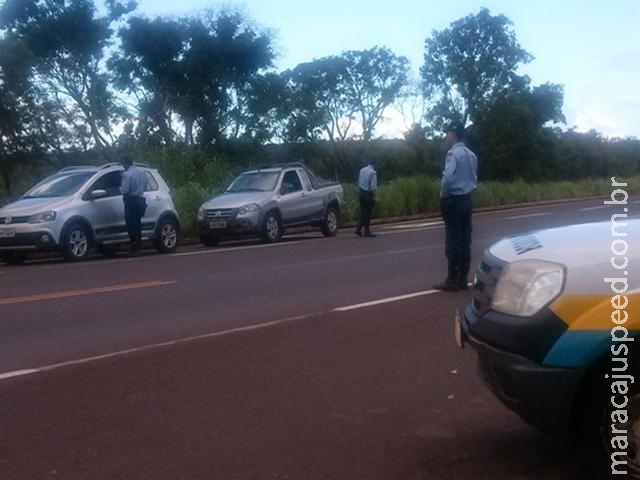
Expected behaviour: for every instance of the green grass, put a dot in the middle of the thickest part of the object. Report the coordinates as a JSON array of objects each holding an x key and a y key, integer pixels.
[{"x": 420, "y": 195}]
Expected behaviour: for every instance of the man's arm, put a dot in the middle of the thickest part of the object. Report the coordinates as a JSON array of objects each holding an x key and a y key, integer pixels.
[
  {"x": 125, "y": 186},
  {"x": 447, "y": 175}
]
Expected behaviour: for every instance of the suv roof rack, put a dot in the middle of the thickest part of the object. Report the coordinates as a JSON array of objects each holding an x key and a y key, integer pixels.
[
  {"x": 77, "y": 167},
  {"x": 117, "y": 164}
]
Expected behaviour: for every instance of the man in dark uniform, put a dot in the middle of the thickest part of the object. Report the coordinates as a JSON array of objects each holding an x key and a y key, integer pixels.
[
  {"x": 367, "y": 186},
  {"x": 134, "y": 183},
  {"x": 459, "y": 180}
]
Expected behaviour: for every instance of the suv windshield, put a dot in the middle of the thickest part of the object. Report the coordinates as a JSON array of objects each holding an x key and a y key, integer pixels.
[
  {"x": 255, "y": 181},
  {"x": 59, "y": 185}
]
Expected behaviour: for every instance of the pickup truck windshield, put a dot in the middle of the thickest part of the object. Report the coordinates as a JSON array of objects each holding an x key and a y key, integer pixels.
[
  {"x": 59, "y": 185},
  {"x": 255, "y": 182}
]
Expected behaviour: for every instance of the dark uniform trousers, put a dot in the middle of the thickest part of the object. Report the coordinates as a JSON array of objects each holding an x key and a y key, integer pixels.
[
  {"x": 456, "y": 213},
  {"x": 134, "y": 208},
  {"x": 367, "y": 201}
]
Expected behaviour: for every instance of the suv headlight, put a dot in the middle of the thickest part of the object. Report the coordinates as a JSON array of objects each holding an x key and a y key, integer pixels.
[
  {"x": 252, "y": 207},
  {"x": 202, "y": 213},
  {"x": 528, "y": 285},
  {"x": 43, "y": 217}
]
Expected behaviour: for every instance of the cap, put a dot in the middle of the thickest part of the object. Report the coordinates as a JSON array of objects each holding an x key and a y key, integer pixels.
[{"x": 455, "y": 127}]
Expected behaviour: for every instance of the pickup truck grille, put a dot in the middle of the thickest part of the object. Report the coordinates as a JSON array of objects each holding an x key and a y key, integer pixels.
[
  {"x": 219, "y": 213},
  {"x": 485, "y": 283},
  {"x": 12, "y": 220}
]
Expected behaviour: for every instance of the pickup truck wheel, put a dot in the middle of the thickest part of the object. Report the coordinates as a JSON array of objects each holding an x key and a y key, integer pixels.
[
  {"x": 210, "y": 240},
  {"x": 271, "y": 228},
  {"x": 330, "y": 225},
  {"x": 77, "y": 243}
]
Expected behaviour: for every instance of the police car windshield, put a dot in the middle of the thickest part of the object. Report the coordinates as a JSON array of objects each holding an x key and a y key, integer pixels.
[
  {"x": 255, "y": 182},
  {"x": 59, "y": 185}
]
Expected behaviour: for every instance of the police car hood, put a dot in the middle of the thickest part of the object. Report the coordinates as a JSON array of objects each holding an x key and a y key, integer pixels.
[{"x": 587, "y": 243}]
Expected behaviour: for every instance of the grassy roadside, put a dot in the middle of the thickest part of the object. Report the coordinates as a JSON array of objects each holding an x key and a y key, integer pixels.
[
  {"x": 406, "y": 196},
  {"x": 420, "y": 195}
]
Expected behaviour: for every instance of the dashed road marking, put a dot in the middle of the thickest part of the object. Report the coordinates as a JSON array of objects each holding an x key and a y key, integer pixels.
[{"x": 85, "y": 291}]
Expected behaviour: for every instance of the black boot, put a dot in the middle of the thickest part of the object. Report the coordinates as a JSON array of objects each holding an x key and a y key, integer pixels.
[
  {"x": 451, "y": 283},
  {"x": 463, "y": 284}
]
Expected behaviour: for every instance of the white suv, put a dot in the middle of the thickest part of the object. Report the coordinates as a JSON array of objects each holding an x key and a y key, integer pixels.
[{"x": 81, "y": 207}]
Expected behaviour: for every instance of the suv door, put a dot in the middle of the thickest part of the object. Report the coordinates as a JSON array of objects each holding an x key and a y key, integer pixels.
[
  {"x": 106, "y": 213},
  {"x": 155, "y": 204}
]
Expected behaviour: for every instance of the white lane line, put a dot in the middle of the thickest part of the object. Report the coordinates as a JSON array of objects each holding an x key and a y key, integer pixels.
[
  {"x": 529, "y": 215},
  {"x": 232, "y": 249},
  {"x": 384, "y": 300},
  {"x": 414, "y": 225},
  {"x": 594, "y": 208},
  {"x": 120, "y": 353},
  {"x": 17, "y": 373},
  {"x": 144, "y": 348}
]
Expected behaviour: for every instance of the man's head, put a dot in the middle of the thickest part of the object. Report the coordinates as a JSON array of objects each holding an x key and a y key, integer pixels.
[
  {"x": 126, "y": 162},
  {"x": 455, "y": 132}
]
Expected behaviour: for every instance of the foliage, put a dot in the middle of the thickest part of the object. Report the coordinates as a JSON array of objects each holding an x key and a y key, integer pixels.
[
  {"x": 67, "y": 41},
  {"x": 198, "y": 68},
  {"x": 343, "y": 96},
  {"x": 469, "y": 63}
]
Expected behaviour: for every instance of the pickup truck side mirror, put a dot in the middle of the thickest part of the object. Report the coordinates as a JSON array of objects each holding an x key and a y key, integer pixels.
[{"x": 286, "y": 188}]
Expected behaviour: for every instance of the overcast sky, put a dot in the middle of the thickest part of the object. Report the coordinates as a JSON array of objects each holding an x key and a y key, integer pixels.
[{"x": 592, "y": 47}]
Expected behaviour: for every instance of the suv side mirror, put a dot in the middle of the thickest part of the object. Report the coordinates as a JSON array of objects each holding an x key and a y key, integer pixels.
[{"x": 98, "y": 193}]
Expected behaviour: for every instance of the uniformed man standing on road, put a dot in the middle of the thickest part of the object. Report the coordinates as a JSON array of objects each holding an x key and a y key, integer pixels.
[
  {"x": 368, "y": 186},
  {"x": 134, "y": 183},
  {"x": 459, "y": 179}
]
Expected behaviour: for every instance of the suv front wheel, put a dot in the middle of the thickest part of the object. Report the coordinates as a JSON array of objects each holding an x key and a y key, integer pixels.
[
  {"x": 77, "y": 243},
  {"x": 167, "y": 237}
]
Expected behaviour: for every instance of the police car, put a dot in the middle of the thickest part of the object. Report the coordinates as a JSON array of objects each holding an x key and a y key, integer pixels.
[{"x": 555, "y": 321}]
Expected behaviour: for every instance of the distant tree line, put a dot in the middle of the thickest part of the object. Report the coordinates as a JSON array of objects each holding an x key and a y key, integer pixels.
[{"x": 78, "y": 85}]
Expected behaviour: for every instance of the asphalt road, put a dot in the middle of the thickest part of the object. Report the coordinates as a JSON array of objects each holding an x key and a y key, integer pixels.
[{"x": 313, "y": 358}]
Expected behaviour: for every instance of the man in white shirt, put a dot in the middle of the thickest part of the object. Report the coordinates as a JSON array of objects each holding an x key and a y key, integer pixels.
[
  {"x": 368, "y": 186},
  {"x": 459, "y": 180},
  {"x": 134, "y": 183}
]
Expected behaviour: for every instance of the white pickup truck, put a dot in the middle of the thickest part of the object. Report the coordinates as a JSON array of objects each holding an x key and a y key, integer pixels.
[{"x": 265, "y": 201}]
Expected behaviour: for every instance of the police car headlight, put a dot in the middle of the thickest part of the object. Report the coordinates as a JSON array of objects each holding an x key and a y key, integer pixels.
[
  {"x": 43, "y": 217},
  {"x": 252, "y": 207},
  {"x": 528, "y": 285},
  {"x": 202, "y": 213}
]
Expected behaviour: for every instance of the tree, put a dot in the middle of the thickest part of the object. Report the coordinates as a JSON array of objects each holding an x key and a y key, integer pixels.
[
  {"x": 67, "y": 40},
  {"x": 199, "y": 68},
  {"x": 374, "y": 81},
  {"x": 511, "y": 136},
  {"x": 344, "y": 96},
  {"x": 318, "y": 105},
  {"x": 148, "y": 67},
  {"x": 468, "y": 63}
]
